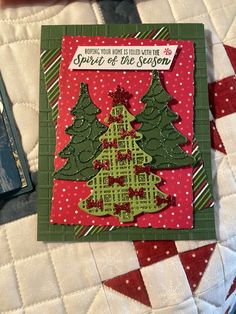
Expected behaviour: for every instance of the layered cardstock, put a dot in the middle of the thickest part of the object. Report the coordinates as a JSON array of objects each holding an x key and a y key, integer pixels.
[
  {"x": 178, "y": 182},
  {"x": 128, "y": 229}
]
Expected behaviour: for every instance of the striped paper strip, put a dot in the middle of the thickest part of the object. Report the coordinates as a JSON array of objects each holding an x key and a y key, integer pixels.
[
  {"x": 51, "y": 60},
  {"x": 202, "y": 196},
  {"x": 83, "y": 231}
]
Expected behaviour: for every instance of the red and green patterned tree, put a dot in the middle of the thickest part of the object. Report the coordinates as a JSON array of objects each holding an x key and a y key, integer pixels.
[
  {"x": 160, "y": 138},
  {"x": 124, "y": 187},
  {"x": 84, "y": 145}
]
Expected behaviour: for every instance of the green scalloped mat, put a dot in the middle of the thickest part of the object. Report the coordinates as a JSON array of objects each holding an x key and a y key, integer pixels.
[{"x": 204, "y": 220}]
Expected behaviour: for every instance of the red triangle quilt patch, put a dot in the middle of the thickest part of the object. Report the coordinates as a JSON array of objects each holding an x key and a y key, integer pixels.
[
  {"x": 216, "y": 141},
  {"x": 231, "y": 52},
  {"x": 131, "y": 285},
  {"x": 232, "y": 288},
  {"x": 150, "y": 252},
  {"x": 195, "y": 263}
]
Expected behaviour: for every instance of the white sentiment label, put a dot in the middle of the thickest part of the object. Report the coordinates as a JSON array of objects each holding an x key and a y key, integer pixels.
[{"x": 123, "y": 57}]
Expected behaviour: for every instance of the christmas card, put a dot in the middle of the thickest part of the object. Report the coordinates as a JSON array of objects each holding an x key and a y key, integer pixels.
[{"x": 135, "y": 133}]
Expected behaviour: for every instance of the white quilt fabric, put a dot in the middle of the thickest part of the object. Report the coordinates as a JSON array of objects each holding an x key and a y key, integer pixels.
[{"x": 67, "y": 278}]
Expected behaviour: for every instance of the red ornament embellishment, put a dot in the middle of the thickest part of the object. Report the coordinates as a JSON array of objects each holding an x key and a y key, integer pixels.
[
  {"x": 119, "y": 207},
  {"x": 170, "y": 200},
  {"x": 118, "y": 119},
  {"x": 119, "y": 180},
  {"x": 124, "y": 133},
  {"x": 141, "y": 169},
  {"x": 120, "y": 156},
  {"x": 101, "y": 165},
  {"x": 138, "y": 192},
  {"x": 167, "y": 51},
  {"x": 120, "y": 97},
  {"x": 106, "y": 143},
  {"x": 91, "y": 204}
]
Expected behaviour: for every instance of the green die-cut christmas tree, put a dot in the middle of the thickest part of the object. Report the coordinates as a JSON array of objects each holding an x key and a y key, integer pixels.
[
  {"x": 84, "y": 145},
  {"x": 118, "y": 189},
  {"x": 160, "y": 138}
]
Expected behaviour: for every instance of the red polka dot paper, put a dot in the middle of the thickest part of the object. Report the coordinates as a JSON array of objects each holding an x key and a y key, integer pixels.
[{"x": 178, "y": 82}]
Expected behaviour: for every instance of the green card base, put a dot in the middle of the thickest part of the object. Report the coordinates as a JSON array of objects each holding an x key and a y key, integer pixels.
[{"x": 204, "y": 225}]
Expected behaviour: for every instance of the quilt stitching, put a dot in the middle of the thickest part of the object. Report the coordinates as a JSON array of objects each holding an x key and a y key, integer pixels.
[
  {"x": 171, "y": 10},
  {"x": 56, "y": 276},
  {"x": 28, "y": 105},
  {"x": 214, "y": 129},
  {"x": 33, "y": 22},
  {"x": 27, "y": 16},
  {"x": 13, "y": 264},
  {"x": 231, "y": 274},
  {"x": 34, "y": 161},
  {"x": 207, "y": 302},
  {"x": 229, "y": 154},
  {"x": 23, "y": 259},
  {"x": 97, "y": 12},
  {"x": 233, "y": 21},
  {"x": 170, "y": 292},
  {"x": 219, "y": 168},
  {"x": 33, "y": 164},
  {"x": 174, "y": 305},
  {"x": 229, "y": 39},
  {"x": 223, "y": 267},
  {"x": 223, "y": 7},
  {"x": 227, "y": 196},
  {"x": 61, "y": 296},
  {"x": 123, "y": 296},
  {"x": 148, "y": 312},
  {"x": 213, "y": 24},
  {"x": 33, "y": 148},
  {"x": 30, "y": 256},
  {"x": 85, "y": 288},
  {"x": 49, "y": 300},
  {"x": 219, "y": 284},
  {"x": 35, "y": 109},
  {"x": 223, "y": 242},
  {"x": 217, "y": 9},
  {"x": 171, "y": 306},
  {"x": 93, "y": 301},
  {"x": 75, "y": 292},
  {"x": 99, "y": 274},
  {"x": 21, "y": 41},
  {"x": 206, "y": 13}
]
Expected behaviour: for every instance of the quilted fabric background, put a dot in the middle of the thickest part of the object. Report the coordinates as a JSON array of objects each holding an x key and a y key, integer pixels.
[{"x": 123, "y": 277}]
